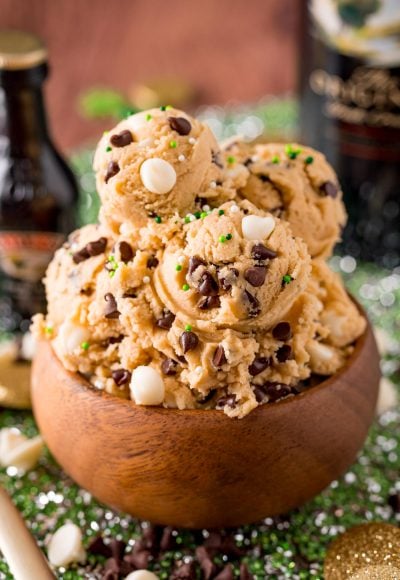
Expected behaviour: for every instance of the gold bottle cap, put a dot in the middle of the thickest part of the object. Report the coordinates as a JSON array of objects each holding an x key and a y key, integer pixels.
[{"x": 19, "y": 50}]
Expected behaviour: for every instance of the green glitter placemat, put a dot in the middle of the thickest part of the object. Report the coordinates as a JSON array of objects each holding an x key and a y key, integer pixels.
[{"x": 289, "y": 546}]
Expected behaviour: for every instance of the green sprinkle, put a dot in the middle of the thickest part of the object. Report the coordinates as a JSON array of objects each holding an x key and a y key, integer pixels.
[
  {"x": 203, "y": 214},
  {"x": 148, "y": 117},
  {"x": 291, "y": 152},
  {"x": 187, "y": 219},
  {"x": 169, "y": 107},
  {"x": 49, "y": 330},
  {"x": 108, "y": 149},
  {"x": 221, "y": 212},
  {"x": 308, "y": 160},
  {"x": 197, "y": 214},
  {"x": 222, "y": 239},
  {"x": 230, "y": 159},
  {"x": 129, "y": 113},
  {"x": 228, "y": 236},
  {"x": 275, "y": 159},
  {"x": 178, "y": 267},
  {"x": 163, "y": 108},
  {"x": 188, "y": 327},
  {"x": 158, "y": 219},
  {"x": 173, "y": 144},
  {"x": 287, "y": 278},
  {"x": 85, "y": 345},
  {"x": 185, "y": 287}
]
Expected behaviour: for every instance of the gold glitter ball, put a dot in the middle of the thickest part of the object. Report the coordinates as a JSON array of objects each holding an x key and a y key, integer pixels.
[{"x": 366, "y": 552}]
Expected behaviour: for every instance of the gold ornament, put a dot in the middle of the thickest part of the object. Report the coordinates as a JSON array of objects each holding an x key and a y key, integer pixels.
[{"x": 366, "y": 552}]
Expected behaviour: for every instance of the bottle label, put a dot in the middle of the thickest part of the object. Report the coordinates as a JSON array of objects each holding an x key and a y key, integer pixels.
[{"x": 25, "y": 255}]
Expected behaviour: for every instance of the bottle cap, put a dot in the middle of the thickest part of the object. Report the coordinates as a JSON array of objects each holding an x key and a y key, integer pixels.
[{"x": 20, "y": 50}]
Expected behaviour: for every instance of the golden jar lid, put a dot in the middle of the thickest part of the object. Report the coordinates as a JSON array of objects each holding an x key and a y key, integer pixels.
[{"x": 20, "y": 50}]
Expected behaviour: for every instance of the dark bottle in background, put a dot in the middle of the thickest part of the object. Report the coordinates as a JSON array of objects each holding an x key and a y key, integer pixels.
[
  {"x": 350, "y": 110},
  {"x": 38, "y": 192}
]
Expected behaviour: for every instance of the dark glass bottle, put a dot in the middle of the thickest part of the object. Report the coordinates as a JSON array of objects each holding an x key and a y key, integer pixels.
[
  {"x": 350, "y": 110},
  {"x": 38, "y": 192}
]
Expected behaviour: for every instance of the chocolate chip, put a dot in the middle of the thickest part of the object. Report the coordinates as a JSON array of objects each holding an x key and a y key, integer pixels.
[
  {"x": 166, "y": 321},
  {"x": 112, "y": 169},
  {"x": 223, "y": 543},
  {"x": 276, "y": 391},
  {"x": 185, "y": 571},
  {"x": 259, "y": 364},
  {"x": 261, "y": 252},
  {"x": 253, "y": 304},
  {"x": 138, "y": 558},
  {"x": 282, "y": 331},
  {"x": 329, "y": 189},
  {"x": 86, "y": 291},
  {"x": 129, "y": 294},
  {"x": 259, "y": 394},
  {"x": 121, "y": 376},
  {"x": 247, "y": 162},
  {"x": 194, "y": 263},
  {"x": 207, "y": 566},
  {"x": 227, "y": 280},
  {"x": 112, "y": 340},
  {"x": 97, "y": 247},
  {"x": 111, "y": 309},
  {"x": 168, "y": 366},
  {"x": 180, "y": 125},
  {"x": 208, "y": 285},
  {"x": 81, "y": 256},
  {"x": 264, "y": 178},
  {"x": 225, "y": 574},
  {"x": 121, "y": 139},
  {"x": 216, "y": 159},
  {"x": 152, "y": 262},
  {"x": 208, "y": 302},
  {"x": 255, "y": 275},
  {"x": 219, "y": 358},
  {"x": 244, "y": 572},
  {"x": 97, "y": 547},
  {"x": 229, "y": 400},
  {"x": 188, "y": 341},
  {"x": 125, "y": 251},
  {"x": 284, "y": 353},
  {"x": 118, "y": 548}
]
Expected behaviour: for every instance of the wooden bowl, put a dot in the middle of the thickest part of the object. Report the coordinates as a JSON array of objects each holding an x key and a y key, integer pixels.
[{"x": 199, "y": 468}]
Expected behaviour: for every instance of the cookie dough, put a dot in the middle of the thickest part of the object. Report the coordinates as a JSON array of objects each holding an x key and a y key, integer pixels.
[
  {"x": 294, "y": 183},
  {"x": 153, "y": 165},
  {"x": 197, "y": 289}
]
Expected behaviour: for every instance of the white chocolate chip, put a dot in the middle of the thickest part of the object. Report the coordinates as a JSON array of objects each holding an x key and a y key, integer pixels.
[
  {"x": 192, "y": 140},
  {"x": 387, "y": 398},
  {"x": 65, "y": 546},
  {"x": 146, "y": 279},
  {"x": 141, "y": 575},
  {"x": 206, "y": 207},
  {"x": 157, "y": 175},
  {"x": 28, "y": 346},
  {"x": 181, "y": 157},
  {"x": 23, "y": 455},
  {"x": 71, "y": 336},
  {"x": 147, "y": 386},
  {"x": 9, "y": 439},
  {"x": 181, "y": 260},
  {"x": 319, "y": 352},
  {"x": 234, "y": 208},
  {"x": 136, "y": 122},
  {"x": 124, "y": 229},
  {"x": 213, "y": 184},
  {"x": 192, "y": 217},
  {"x": 198, "y": 370},
  {"x": 255, "y": 227}
]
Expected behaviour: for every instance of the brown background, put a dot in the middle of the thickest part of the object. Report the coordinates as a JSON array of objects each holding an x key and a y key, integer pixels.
[{"x": 230, "y": 50}]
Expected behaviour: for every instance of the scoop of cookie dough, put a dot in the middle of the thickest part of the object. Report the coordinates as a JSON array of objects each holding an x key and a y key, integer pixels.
[
  {"x": 292, "y": 182},
  {"x": 236, "y": 267},
  {"x": 153, "y": 165}
]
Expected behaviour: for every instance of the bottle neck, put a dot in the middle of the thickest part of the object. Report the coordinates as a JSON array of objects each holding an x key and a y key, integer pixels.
[{"x": 23, "y": 119}]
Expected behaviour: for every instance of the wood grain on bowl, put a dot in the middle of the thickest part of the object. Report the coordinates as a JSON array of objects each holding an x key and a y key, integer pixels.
[{"x": 199, "y": 468}]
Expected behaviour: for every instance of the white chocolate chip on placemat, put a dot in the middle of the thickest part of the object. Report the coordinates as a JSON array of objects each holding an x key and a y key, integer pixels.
[{"x": 65, "y": 546}]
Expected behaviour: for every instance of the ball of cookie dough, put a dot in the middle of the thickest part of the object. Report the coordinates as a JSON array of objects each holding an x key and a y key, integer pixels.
[
  {"x": 295, "y": 183},
  {"x": 155, "y": 164},
  {"x": 236, "y": 266}
]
